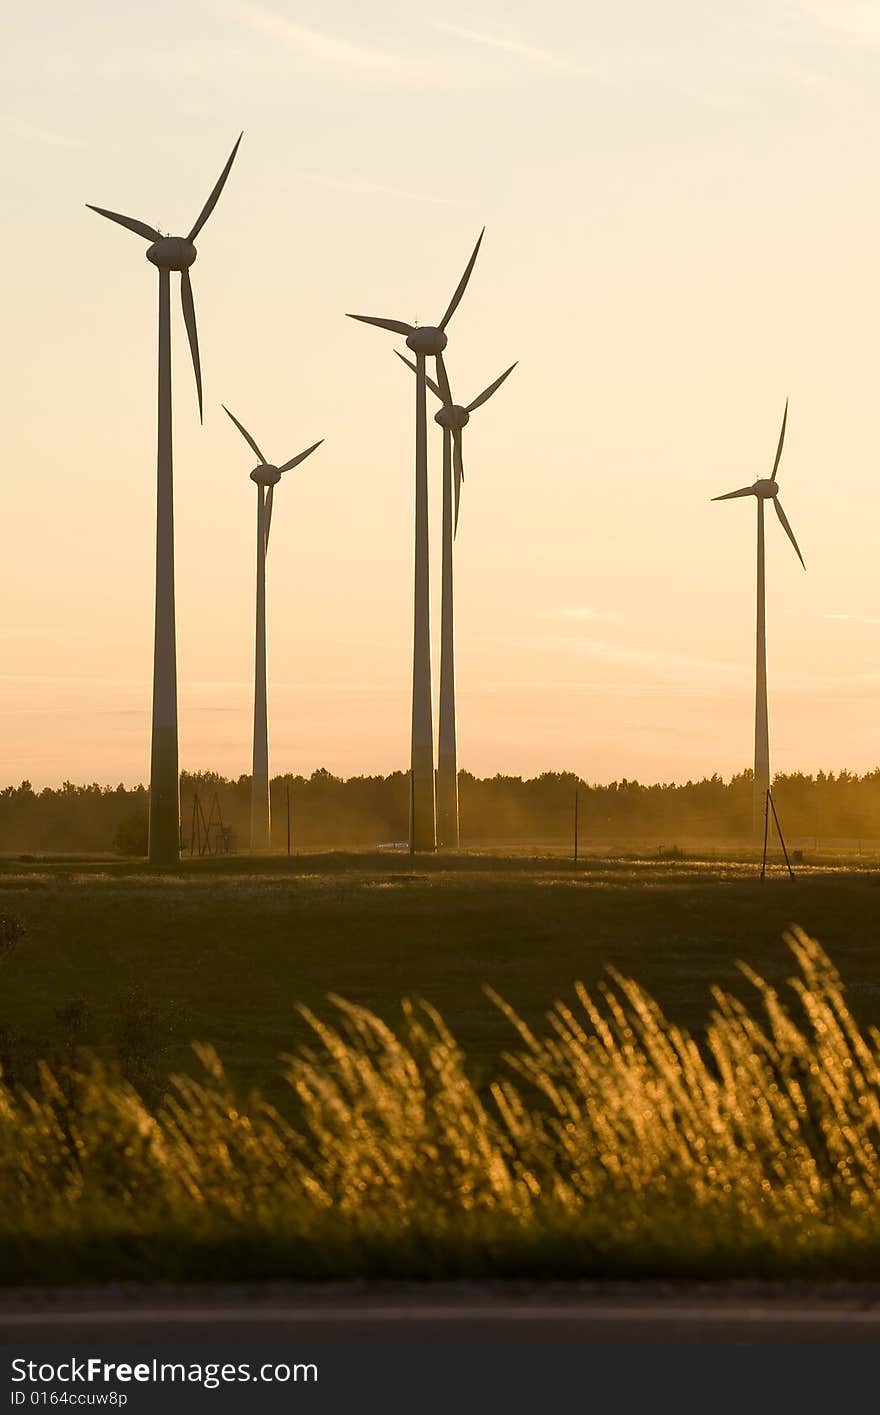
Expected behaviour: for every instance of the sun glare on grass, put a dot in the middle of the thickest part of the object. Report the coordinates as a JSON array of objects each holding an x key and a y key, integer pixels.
[{"x": 611, "y": 1141}]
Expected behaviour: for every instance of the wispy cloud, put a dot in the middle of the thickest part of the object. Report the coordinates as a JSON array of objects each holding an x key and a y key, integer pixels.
[
  {"x": 12, "y": 127},
  {"x": 853, "y": 24},
  {"x": 659, "y": 661},
  {"x": 55, "y": 681},
  {"x": 358, "y": 186},
  {"x": 518, "y": 48},
  {"x": 188, "y": 688},
  {"x": 112, "y": 62},
  {"x": 322, "y": 50},
  {"x": 659, "y": 664},
  {"x": 579, "y": 614},
  {"x": 853, "y": 618},
  {"x": 803, "y": 76}
]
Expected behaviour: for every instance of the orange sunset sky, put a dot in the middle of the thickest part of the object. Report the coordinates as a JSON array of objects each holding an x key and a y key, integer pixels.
[{"x": 681, "y": 223}]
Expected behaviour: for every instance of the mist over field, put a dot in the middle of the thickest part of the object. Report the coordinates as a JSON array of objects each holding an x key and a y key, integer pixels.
[{"x": 327, "y": 811}]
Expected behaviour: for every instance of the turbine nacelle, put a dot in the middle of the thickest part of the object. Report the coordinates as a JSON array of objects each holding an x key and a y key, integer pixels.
[
  {"x": 453, "y": 417},
  {"x": 177, "y": 253},
  {"x": 427, "y": 340},
  {"x": 766, "y": 488},
  {"x": 172, "y": 253},
  {"x": 266, "y": 475}
]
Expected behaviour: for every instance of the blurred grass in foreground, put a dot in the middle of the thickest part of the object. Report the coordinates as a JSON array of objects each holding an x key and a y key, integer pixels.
[{"x": 611, "y": 1145}]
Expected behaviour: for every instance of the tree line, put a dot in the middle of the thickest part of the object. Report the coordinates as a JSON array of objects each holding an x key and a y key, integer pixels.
[{"x": 329, "y": 811}]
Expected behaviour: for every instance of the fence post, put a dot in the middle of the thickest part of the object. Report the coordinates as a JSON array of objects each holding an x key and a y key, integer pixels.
[{"x": 781, "y": 836}]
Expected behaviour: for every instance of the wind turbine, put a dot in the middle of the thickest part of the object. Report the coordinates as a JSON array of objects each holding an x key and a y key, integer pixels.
[
  {"x": 425, "y": 341},
  {"x": 168, "y": 253},
  {"x": 267, "y": 476},
  {"x": 765, "y": 489},
  {"x": 453, "y": 418}
]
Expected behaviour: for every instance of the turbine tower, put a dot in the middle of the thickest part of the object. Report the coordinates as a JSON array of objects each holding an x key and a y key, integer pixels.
[
  {"x": 168, "y": 253},
  {"x": 765, "y": 489},
  {"x": 453, "y": 418},
  {"x": 267, "y": 477},
  {"x": 425, "y": 341}
]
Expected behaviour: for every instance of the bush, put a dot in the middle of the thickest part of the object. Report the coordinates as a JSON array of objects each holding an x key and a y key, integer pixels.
[
  {"x": 132, "y": 834},
  {"x": 143, "y": 1033},
  {"x": 12, "y": 931}
]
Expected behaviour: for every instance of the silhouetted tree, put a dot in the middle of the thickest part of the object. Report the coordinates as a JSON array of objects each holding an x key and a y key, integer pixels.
[{"x": 328, "y": 811}]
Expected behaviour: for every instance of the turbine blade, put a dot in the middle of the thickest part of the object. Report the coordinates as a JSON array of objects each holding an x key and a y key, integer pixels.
[
  {"x": 729, "y": 495},
  {"x": 462, "y": 284},
  {"x": 788, "y": 531},
  {"x": 395, "y": 325},
  {"x": 295, "y": 461},
  {"x": 215, "y": 194},
  {"x": 443, "y": 380},
  {"x": 140, "y": 228},
  {"x": 458, "y": 469},
  {"x": 189, "y": 319},
  {"x": 430, "y": 382},
  {"x": 487, "y": 392},
  {"x": 268, "y": 513},
  {"x": 244, "y": 432},
  {"x": 781, "y": 440}
]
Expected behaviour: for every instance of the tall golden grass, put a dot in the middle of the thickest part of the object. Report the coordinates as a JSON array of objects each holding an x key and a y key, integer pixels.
[{"x": 612, "y": 1142}]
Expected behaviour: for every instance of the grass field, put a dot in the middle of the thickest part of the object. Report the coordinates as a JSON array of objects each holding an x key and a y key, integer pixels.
[
  {"x": 607, "y": 1142},
  {"x": 398, "y": 1141},
  {"x": 223, "y": 951}
]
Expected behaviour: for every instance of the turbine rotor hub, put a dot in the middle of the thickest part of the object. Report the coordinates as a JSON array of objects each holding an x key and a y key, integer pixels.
[
  {"x": 766, "y": 489},
  {"x": 426, "y": 340},
  {"x": 266, "y": 475},
  {"x": 454, "y": 418},
  {"x": 172, "y": 253}
]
